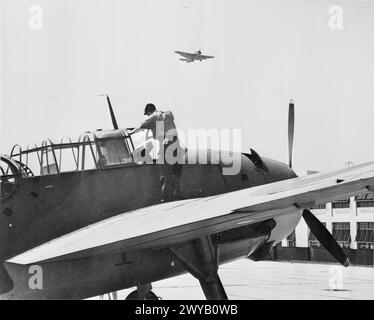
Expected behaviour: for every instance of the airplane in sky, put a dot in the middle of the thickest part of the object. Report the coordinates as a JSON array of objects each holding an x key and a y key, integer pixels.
[
  {"x": 191, "y": 57},
  {"x": 74, "y": 231}
]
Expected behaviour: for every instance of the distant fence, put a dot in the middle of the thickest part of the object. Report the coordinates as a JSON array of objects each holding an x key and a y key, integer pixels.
[{"x": 356, "y": 257}]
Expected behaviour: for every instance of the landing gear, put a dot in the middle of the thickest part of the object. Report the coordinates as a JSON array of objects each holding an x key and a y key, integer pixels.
[
  {"x": 143, "y": 292},
  {"x": 200, "y": 258},
  {"x": 111, "y": 296}
]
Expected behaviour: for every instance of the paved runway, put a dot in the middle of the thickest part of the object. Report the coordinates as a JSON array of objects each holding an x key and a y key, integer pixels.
[{"x": 245, "y": 279}]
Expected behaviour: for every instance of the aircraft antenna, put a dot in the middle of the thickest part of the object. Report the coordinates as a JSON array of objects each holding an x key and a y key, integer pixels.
[
  {"x": 112, "y": 116},
  {"x": 291, "y": 127}
]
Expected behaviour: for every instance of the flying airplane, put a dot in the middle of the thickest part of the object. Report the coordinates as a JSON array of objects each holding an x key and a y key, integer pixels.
[
  {"x": 74, "y": 231},
  {"x": 191, "y": 57}
]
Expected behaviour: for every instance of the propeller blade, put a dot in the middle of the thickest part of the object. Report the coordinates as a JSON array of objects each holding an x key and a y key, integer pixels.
[
  {"x": 114, "y": 121},
  {"x": 325, "y": 237},
  {"x": 291, "y": 126}
]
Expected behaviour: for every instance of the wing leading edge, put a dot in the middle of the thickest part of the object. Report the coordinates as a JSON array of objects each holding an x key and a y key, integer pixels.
[
  {"x": 193, "y": 56},
  {"x": 185, "y": 54},
  {"x": 173, "y": 222}
]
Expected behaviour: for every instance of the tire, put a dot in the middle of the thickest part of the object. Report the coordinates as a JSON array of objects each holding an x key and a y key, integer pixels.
[{"x": 134, "y": 296}]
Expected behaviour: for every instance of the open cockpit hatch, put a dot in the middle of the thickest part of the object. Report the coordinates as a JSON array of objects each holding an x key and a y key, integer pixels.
[{"x": 94, "y": 150}]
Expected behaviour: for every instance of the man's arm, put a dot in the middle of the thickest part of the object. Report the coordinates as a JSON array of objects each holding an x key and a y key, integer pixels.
[
  {"x": 146, "y": 124},
  {"x": 149, "y": 122}
]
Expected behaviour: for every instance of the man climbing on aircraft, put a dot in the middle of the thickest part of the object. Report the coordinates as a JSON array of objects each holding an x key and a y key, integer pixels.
[{"x": 164, "y": 130}]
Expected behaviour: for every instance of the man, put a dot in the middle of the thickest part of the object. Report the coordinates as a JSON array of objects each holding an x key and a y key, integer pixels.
[
  {"x": 160, "y": 123},
  {"x": 162, "y": 127},
  {"x": 164, "y": 130}
]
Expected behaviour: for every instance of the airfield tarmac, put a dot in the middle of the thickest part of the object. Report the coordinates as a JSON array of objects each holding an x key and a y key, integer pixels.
[{"x": 248, "y": 280}]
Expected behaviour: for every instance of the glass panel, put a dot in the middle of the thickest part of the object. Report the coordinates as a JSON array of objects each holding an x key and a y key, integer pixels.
[
  {"x": 341, "y": 232},
  {"x": 341, "y": 204},
  {"x": 114, "y": 152},
  {"x": 49, "y": 165},
  {"x": 320, "y": 206},
  {"x": 365, "y": 204},
  {"x": 365, "y": 232}
]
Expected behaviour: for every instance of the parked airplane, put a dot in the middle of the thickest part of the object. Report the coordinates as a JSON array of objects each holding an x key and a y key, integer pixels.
[
  {"x": 73, "y": 232},
  {"x": 191, "y": 57}
]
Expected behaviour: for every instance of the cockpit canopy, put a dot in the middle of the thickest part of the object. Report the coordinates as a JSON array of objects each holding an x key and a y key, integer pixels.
[
  {"x": 113, "y": 148},
  {"x": 98, "y": 149}
]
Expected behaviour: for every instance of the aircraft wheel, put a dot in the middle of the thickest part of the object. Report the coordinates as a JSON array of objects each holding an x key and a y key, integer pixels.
[
  {"x": 152, "y": 296},
  {"x": 149, "y": 296}
]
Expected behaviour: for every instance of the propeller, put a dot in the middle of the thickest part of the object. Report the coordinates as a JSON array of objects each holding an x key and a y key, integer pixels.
[
  {"x": 325, "y": 237},
  {"x": 291, "y": 127},
  {"x": 315, "y": 226}
]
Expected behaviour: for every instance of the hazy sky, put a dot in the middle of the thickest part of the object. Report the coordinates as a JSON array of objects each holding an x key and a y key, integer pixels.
[{"x": 267, "y": 51}]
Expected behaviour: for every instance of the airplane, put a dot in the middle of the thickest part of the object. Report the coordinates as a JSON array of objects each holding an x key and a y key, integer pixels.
[
  {"x": 191, "y": 57},
  {"x": 78, "y": 232}
]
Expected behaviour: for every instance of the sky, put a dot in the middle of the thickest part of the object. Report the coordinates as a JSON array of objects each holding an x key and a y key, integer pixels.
[{"x": 266, "y": 52}]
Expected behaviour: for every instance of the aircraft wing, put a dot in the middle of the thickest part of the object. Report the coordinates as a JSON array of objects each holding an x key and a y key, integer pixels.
[
  {"x": 203, "y": 57},
  {"x": 186, "y": 54},
  {"x": 170, "y": 223}
]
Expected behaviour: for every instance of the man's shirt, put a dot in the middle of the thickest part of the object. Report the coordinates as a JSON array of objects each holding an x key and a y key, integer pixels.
[{"x": 161, "y": 124}]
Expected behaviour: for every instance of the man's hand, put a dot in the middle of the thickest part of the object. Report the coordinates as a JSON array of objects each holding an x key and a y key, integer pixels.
[{"x": 132, "y": 131}]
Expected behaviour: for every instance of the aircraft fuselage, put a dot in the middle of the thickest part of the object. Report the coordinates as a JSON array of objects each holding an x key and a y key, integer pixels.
[{"x": 43, "y": 208}]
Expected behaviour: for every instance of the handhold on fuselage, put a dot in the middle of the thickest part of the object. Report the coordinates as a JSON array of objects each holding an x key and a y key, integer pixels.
[{"x": 256, "y": 159}]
